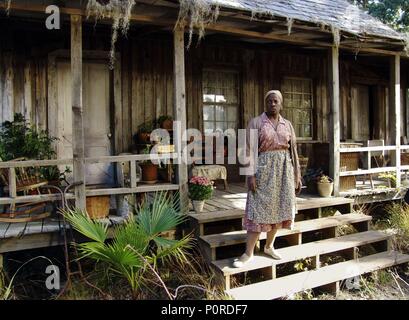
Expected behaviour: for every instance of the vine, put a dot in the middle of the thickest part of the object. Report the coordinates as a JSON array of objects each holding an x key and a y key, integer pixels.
[
  {"x": 119, "y": 11},
  {"x": 197, "y": 14}
]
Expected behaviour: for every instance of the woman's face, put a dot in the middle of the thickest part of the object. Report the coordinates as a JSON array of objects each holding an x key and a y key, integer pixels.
[{"x": 273, "y": 105}]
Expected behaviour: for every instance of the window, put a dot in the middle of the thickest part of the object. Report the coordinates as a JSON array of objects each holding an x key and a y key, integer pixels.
[
  {"x": 220, "y": 101},
  {"x": 298, "y": 105}
]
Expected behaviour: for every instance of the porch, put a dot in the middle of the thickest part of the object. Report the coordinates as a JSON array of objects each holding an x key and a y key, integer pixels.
[{"x": 56, "y": 80}]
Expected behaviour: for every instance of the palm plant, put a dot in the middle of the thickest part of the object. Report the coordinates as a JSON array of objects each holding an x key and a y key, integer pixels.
[{"x": 137, "y": 244}]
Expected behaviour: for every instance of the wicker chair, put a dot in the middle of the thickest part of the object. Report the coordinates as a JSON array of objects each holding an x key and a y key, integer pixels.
[
  {"x": 28, "y": 182},
  {"x": 375, "y": 158}
]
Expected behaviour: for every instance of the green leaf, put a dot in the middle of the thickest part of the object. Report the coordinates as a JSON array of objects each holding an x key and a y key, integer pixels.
[{"x": 81, "y": 222}]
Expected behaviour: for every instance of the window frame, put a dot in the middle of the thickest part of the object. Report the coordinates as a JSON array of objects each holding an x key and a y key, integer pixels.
[
  {"x": 222, "y": 104},
  {"x": 313, "y": 120}
]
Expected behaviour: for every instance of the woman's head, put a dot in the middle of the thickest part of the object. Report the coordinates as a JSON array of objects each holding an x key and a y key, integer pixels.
[{"x": 273, "y": 101}]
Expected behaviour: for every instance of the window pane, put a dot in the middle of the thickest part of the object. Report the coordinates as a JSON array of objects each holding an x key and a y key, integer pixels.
[
  {"x": 221, "y": 98},
  {"x": 220, "y": 127},
  {"x": 298, "y": 105},
  {"x": 208, "y": 98},
  {"x": 220, "y": 116},
  {"x": 208, "y": 113},
  {"x": 220, "y": 87},
  {"x": 208, "y": 127}
]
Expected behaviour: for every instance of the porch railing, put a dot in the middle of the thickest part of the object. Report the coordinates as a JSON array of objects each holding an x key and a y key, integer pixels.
[
  {"x": 134, "y": 188},
  {"x": 397, "y": 168}
]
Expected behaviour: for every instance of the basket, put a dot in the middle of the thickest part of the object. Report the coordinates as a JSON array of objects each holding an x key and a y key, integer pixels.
[
  {"x": 404, "y": 159},
  {"x": 98, "y": 207},
  {"x": 349, "y": 161},
  {"x": 347, "y": 183}
]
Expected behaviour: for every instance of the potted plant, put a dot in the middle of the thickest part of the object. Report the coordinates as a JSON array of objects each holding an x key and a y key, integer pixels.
[
  {"x": 390, "y": 177},
  {"x": 144, "y": 131},
  {"x": 325, "y": 186},
  {"x": 311, "y": 177},
  {"x": 200, "y": 189},
  {"x": 165, "y": 122},
  {"x": 149, "y": 169}
]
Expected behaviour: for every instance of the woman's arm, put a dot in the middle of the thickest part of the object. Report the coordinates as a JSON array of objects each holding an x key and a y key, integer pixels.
[
  {"x": 251, "y": 150},
  {"x": 296, "y": 163}
]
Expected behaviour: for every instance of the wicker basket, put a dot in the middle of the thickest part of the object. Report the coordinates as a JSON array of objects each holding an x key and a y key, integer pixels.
[
  {"x": 404, "y": 159},
  {"x": 347, "y": 183},
  {"x": 98, "y": 207},
  {"x": 349, "y": 161}
]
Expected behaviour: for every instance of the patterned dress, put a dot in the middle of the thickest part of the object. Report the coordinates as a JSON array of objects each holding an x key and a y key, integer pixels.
[{"x": 273, "y": 204}]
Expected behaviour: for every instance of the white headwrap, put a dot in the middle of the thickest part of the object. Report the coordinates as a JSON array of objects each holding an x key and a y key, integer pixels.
[{"x": 276, "y": 92}]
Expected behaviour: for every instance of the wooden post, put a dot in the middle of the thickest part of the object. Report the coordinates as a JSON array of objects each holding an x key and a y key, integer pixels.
[
  {"x": 180, "y": 116},
  {"x": 77, "y": 110},
  {"x": 395, "y": 110},
  {"x": 334, "y": 145},
  {"x": 132, "y": 169},
  {"x": 12, "y": 183},
  {"x": 2, "y": 280}
]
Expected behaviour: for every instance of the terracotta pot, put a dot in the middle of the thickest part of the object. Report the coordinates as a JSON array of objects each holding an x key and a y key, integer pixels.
[
  {"x": 149, "y": 172},
  {"x": 144, "y": 137},
  {"x": 167, "y": 124},
  {"x": 325, "y": 188}
]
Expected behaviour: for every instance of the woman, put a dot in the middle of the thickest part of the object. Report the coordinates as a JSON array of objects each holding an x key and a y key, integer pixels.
[{"x": 271, "y": 198}]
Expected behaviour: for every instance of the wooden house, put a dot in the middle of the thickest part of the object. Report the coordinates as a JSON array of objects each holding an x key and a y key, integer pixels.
[{"x": 344, "y": 76}]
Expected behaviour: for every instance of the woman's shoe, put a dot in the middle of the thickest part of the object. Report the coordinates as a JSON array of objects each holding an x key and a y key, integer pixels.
[
  {"x": 272, "y": 253},
  {"x": 242, "y": 261}
]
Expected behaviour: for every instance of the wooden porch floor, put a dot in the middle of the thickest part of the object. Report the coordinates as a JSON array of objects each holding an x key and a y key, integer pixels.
[
  {"x": 235, "y": 198},
  {"x": 38, "y": 234}
]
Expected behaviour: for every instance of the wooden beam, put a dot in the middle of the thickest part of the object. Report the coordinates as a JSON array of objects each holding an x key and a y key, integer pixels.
[
  {"x": 395, "y": 103},
  {"x": 77, "y": 110},
  {"x": 334, "y": 153},
  {"x": 180, "y": 115}
]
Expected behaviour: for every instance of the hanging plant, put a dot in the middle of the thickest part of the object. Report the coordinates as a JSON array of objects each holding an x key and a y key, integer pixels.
[
  {"x": 197, "y": 14},
  {"x": 117, "y": 10}
]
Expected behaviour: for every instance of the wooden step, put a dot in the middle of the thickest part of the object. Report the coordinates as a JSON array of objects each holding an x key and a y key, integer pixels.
[
  {"x": 236, "y": 237},
  {"x": 286, "y": 286},
  {"x": 303, "y": 251},
  {"x": 214, "y": 216}
]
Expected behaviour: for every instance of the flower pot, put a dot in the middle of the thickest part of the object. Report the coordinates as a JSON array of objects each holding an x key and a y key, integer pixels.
[
  {"x": 167, "y": 124},
  {"x": 325, "y": 188},
  {"x": 198, "y": 205},
  {"x": 144, "y": 137},
  {"x": 149, "y": 172}
]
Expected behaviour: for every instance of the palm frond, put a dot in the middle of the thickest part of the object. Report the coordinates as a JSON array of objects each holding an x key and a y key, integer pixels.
[
  {"x": 130, "y": 233},
  {"x": 172, "y": 249},
  {"x": 82, "y": 223},
  {"x": 159, "y": 217}
]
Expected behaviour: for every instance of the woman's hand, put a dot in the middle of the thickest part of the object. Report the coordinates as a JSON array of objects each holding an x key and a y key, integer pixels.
[
  {"x": 251, "y": 183},
  {"x": 298, "y": 188}
]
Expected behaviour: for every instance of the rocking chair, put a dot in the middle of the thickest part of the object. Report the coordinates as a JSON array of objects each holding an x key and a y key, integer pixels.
[{"x": 28, "y": 182}]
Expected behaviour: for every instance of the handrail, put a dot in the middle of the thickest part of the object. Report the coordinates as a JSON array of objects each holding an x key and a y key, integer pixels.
[
  {"x": 14, "y": 198},
  {"x": 91, "y": 160}
]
